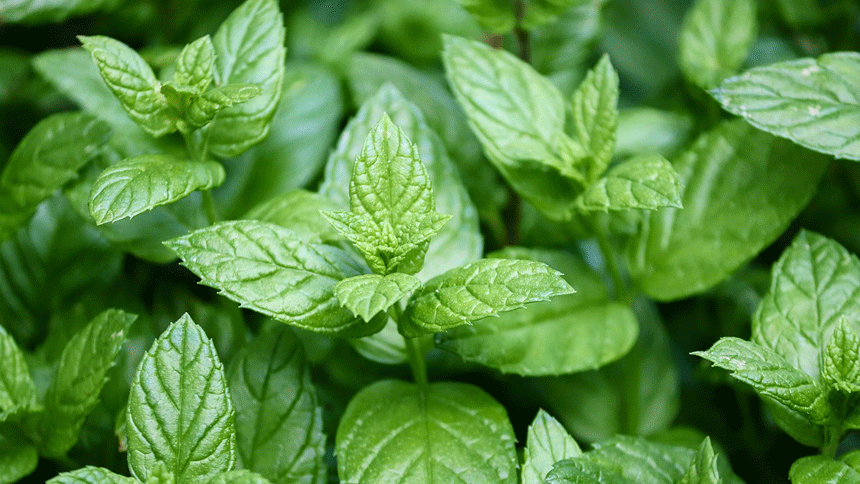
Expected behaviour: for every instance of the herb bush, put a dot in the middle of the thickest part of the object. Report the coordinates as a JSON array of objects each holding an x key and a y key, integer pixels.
[{"x": 478, "y": 241}]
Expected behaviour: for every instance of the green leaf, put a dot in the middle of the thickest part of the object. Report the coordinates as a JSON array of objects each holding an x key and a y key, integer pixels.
[
  {"x": 299, "y": 211},
  {"x": 17, "y": 390},
  {"x": 91, "y": 475},
  {"x": 569, "y": 333},
  {"x": 646, "y": 130},
  {"x": 278, "y": 422},
  {"x": 704, "y": 469},
  {"x": 771, "y": 375},
  {"x": 270, "y": 270},
  {"x": 238, "y": 477},
  {"x": 369, "y": 294},
  {"x": 387, "y": 346},
  {"x": 539, "y": 12},
  {"x": 820, "y": 469},
  {"x": 396, "y": 432},
  {"x": 636, "y": 395},
  {"x": 139, "y": 184},
  {"x": 133, "y": 83},
  {"x": 595, "y": 116},
  {"x": 249, "y": 49},
  {"x": 741, "y": 188},
  {"x": 459, "y": 241},
  {"x": 841, "y": 369},
  {"x": 17, "y": 460},
  {"x": 518, "y": 116},
  {"x": 81, "y": 374},
  {"x": 483, "y": 288},
  {"x": 496, "y": 16},
  {"x": 715, "y": 39},
  {"x": 205, "y": 107},
  {"x": 179, "y": 409},
  {"x": 195, "y": 66},
  {"x": 647, "y": 182},
  {"x": 49, "y": 11},
  {"x": 160, "y": 474},
  {"x": 548, "y": 442},
  {"x": 301, "y": 134},
  {"x": 813, "y": 102}
]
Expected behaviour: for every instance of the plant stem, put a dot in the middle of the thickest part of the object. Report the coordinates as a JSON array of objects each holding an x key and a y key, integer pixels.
[
  {"x": 521, "y": 33},
  {"x": 832, "y": 437},
  {"x": 209, "y": 207},
  {"x": 417, "y": 361},
  {"x": 621, "y": 292}
]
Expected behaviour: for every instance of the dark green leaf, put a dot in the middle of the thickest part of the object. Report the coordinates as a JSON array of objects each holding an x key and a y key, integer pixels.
[
  {"x": 497, "y": 16},
  {"x": 17, "y": 460}
]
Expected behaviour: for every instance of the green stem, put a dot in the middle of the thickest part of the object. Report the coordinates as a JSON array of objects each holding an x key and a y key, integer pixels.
[
  {"x": 417, "y": 361},
  {"x": 832, "y": 437},
  {"x": 209, "y": 207},
  {"x": 611, "y": 261}
]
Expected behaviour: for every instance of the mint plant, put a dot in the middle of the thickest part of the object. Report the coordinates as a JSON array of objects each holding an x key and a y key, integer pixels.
[{"x": 468, "y": 241}]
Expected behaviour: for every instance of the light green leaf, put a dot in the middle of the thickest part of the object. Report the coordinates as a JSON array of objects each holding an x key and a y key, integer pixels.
[
  {"x": 249, "y": 49},
  {"x": 636, "y": 395},
  {"x": 459, "y": 241},
  {"x": 647, "y": 182},
  {"x": 278, "y": 422},
  {"x": 483, "y": 288},
  {"x": 813, "y": 102},
  {"x": 299, "y": 211},
  {"x": 841, "y": 369},
  {"x": 771, "y": 375},
  {"x": 179, "y": 409},
  {"x": 270, "y": 270},
  {"x": 369, "y": 294},
  {"x": 205, "y": 107},
  {"x": 820, "y": 469},
  {"x": 133, "y": 83},
  {"x": 715, "y": 39},
  {"x": 496, "y": 16},
  {"x": 703, "y": 470},
  {"x": 301, "y": 134},
  {"x": 387, "y": 346},
  {"x": 569, "y": 333},
  {"x": 645, "y": 130},
  {"x": 17, "y": 390},
  {"x": 238, "y": 477},
  {"x": 395, "y": 432},
  {"x": 17, "y": 460},
  {"x": 50, "y": 11},
  {"x": 81, "y": 373},
  {"x": 91, "y": 475},
  {"x": 518, "y": 116},
  {"x": 548, "y": 442},
  {"x": 195, "y": 66},
  {"x": 595, "y": 116},
  {"x": 741, "y": 188},
  {"x": 159, "y": 473},
  {"x": 139, "y": 184}
]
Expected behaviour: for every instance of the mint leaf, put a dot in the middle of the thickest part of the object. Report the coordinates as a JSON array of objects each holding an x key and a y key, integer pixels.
[
  {"x": 49, "y": 11},
  {"x": 518, "y": 116},
  {"x": 195, "y": 66},
  {"x": 704, "y": 469},
  {"x": 727, "y": 219},
  {"x": 813, "y": 102},
  {"x": 820, "y": 469},
  {"x": 92, "y": 475},
  {"x": 249, "y": 49},
  {"x": 539, "y": 12},
  {"x": 569, "y": 333},
  {"x": 160, "y": 474},
  {"x": 548, "y": 442},
  {"x": 298, "y": 211},
  {"x": 133, "y": 83},
  {"x": 496, "y": 16},
  {"x": 395, "y": 432},
  {"x": 238, "y": 477},
  {"x": 17, "y": 390},
  {"x": 139, "y": 184},
  {"x": 459, "y": 241},
  {"x": 647, "y": 182},
  {"x": 647, "y": 130},
  {"x": 179, "y": 409},
  {"x": 771, "y": 375},
  {"x": 595, "y": 116},
  {"x": 270, "y": 270},
  {"x": 387, "y": 346},
  {"x": 205, "y": 107},
  {"x": 18, "y": 459},
  {"x": 715, "y": 39},
  {"x": 81, "y": 374},
  {"x": 841, "y": 369},
  {"x": 483, "y": 288},
  {"x": 369, "y": 294},
  {"x": 278, "y": 423}
]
